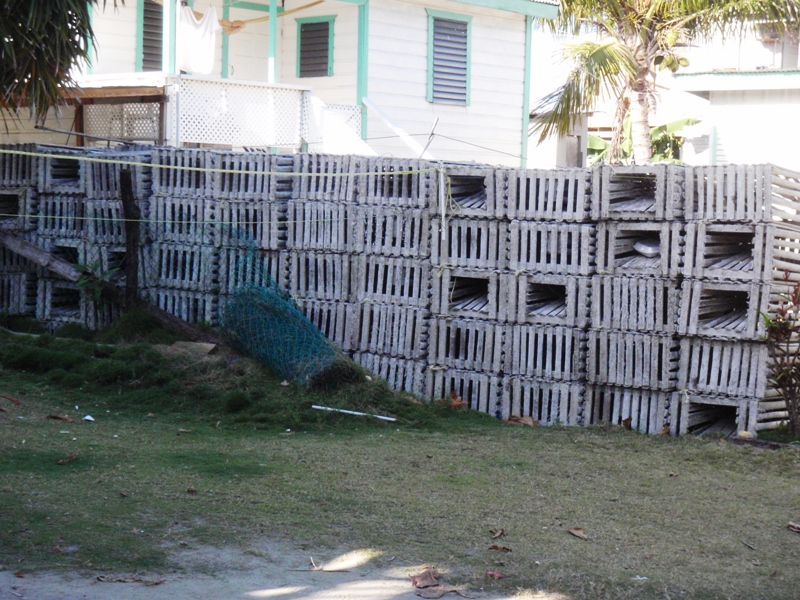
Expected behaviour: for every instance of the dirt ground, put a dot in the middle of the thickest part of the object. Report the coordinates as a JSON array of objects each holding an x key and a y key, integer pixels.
[{"x": 272, "y": 571}]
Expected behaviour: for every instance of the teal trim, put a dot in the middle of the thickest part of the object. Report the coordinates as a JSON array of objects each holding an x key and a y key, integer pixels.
[
  {"x": 226, "y": 14},
  {"x": 523, "y": 7},
  {"x": 439, "y": 14},
  {"x": 88, "y": 41},
  {"x": 253, "y": 6},
  {"x": 139, "y": 35},
  {"x": 362, "y": 77},
  {"x": 273, "y": 41},
  {"x": 526, "y": 91},
  {"x": 325, "y": 19}
]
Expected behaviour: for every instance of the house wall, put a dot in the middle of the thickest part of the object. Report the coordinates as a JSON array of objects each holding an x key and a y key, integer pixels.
[
  {"x": 756, "y": 126},
  {"x": 115, "y": 33},
  {"x": 398, "y": 68},
  {"x": 19, "y": 129},
  {"x": 340, "y": 88}
]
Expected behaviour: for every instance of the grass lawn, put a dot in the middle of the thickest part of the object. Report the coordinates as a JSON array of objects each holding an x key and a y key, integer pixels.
[{"x": 209, "y": 461}]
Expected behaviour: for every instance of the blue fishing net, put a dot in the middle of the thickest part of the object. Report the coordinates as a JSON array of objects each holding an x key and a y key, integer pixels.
[{"x": 262, "y": 321}]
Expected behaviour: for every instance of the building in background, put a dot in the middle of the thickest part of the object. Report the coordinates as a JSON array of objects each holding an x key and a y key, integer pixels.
[{"x": 346, "y": 76}]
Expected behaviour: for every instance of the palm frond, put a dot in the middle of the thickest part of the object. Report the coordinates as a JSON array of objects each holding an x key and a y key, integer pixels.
[{"x": 597, "y": 68}]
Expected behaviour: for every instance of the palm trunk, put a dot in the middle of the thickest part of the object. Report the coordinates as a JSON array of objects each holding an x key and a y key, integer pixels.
[
  {"x": 640, "y": 127},
  {"x": 614, "y": 149}
]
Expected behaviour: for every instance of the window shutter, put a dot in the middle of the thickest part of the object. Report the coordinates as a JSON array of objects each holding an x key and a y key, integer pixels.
[
  {"x": 152, "y": 36},
  {"x": 314, "y": 49},
  {"x": 450, "y": 45}
]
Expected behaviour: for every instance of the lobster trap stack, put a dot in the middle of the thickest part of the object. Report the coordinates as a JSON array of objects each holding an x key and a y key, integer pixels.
[
  {"x": 632, "y": 358},
  {"x": 552, "y": 246},
  {"x": 391, "y": 272},
  {"x": 625, "y": 295}
]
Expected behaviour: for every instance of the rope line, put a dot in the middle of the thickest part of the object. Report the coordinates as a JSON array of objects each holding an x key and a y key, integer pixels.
[
  {"x": 165, "y": 221},
  {"x": 131, "y": 163}
]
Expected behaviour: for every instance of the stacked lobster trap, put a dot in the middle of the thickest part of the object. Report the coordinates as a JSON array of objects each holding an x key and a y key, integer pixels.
[
  {"x": 629, "y": 295},
  {"x": 18, "y": 200},
  {"x": 632, "y": 358}
]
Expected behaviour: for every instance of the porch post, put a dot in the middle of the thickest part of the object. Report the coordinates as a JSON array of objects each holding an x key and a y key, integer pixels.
[
  {"x": 362, "y": 77},
  {"x": 526, "y": 92},
  {"x": 273, "y": 39}
]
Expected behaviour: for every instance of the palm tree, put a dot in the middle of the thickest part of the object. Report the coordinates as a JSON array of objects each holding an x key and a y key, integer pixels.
[
  {"x": 635, "y": 39},
  {"x": 40, "y": 43}
]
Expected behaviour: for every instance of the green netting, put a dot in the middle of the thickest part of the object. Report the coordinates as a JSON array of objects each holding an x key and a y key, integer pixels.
[{"x": 263, "y": 322}]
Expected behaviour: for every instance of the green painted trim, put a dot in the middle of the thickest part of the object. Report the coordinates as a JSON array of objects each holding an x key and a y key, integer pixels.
[
  {"x": 523, "y": 7},
  {"x": 139, "y": 35},
  {"x": 526, "y": 91},
  {"x": 439, "y": 14},
  {"x": 272, "y": 68},
  {"x": 253, "y": 6},
  {"x": 89, "y": 43},
  {"x": 359, "y": 2},
  {"x": 324, "y": 19},
  {"x": 226, "y": 14},
  {"x": 362, "y": 77}
]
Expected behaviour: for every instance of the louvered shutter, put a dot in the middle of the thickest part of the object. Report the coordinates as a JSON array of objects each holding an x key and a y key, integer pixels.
[
  {"x": 152, "y": 36},
  {"x": 314, "y": 49},
  {"x": 450, "y": 58}
]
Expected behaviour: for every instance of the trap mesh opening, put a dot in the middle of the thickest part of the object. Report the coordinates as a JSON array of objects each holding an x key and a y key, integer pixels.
[
  {"x": 637, "y": 249},
  {"x": 65, "y": 302},
  {"x": 632, "y": 192},
  {"x": 10, "y": 207},
  {"x": 546, "y": 299},
  {"x": 71, "y": 254},
  {"x": 729, "y": 250},
  {"x": 469, "y": 191},
  {"x": 711, "y": 418},
  {"x": 65, "y": 171},
  {"x": 723, "y": 309},
  {"x": 469, "y": 293}
]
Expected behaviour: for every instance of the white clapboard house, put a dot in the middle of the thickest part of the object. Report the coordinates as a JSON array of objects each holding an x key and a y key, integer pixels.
[{"x": 369, "y": 77}]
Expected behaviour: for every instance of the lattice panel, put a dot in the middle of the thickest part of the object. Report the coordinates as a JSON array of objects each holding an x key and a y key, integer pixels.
[
  {"x": 131, "y": 121},
  {"x": 238, "y": 114},
  {"x": 350, "y": 114}
]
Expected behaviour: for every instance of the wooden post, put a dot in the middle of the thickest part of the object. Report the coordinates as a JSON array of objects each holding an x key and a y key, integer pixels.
[{"x": 132, "y": 215}]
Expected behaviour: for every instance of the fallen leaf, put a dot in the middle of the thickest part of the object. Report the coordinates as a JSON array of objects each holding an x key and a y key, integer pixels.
[
  {"x": 69, "y": 459},
  {"x": 456, "y": 401},
  {"x": 3, "y": 409},
  {"x": 7, "y": 397},
  {"x": 428, "y": 577},
  {"x": 673, "y": 474},
  {"x": 665, "y": 430},
  {"x": 794, "y": 527},
  {"x": 123, "y": 495},
  {"x": 578, "y": 532},
  {"x": 496, "y": 533},
  {"x": 191, "y": 490},
  {"x": 58, "y": 548},
  {"x": 626, "y": 423},
  {"x": 19, "y": 574},
  {"x": 499, "y": 548},
  {"x": 148, "y": 415},
  {"x": 494, "y": 574},
  {"x": 184, "y": 431},
  {"x": 60, "y": 418},
  {"x": 529, "y": 421}
]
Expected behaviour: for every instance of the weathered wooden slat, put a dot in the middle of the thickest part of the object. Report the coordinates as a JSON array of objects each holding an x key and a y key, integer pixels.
[
  {"x": 622, "y": 248},
  {"x": 401, "y": 374},
  {"x": 632, "y": 360},
  {"x": 643, "y": 304},
  {"x": 547, "y": 402},
  {"x": 481, "y": 391},
  {"x": 545, "y": 351},
  {"x": 723, "y": 310},
  {"x": 648, "y": 410}
]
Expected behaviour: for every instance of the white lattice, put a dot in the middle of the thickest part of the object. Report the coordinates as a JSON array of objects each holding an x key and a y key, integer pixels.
[
  {"x": 129, "y": 121},
  {"x": 238, "y": 113},
  {"x": 350, "y": 114}
]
